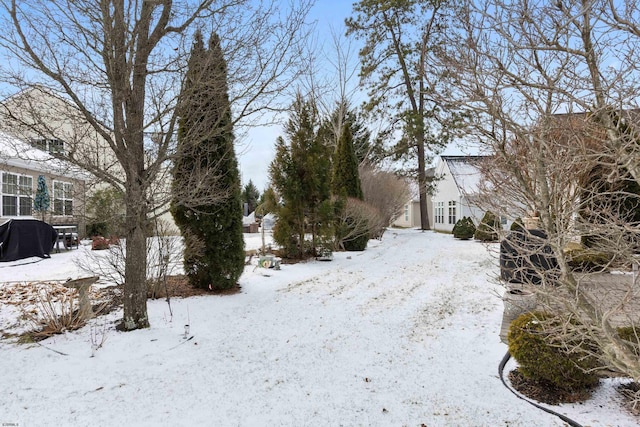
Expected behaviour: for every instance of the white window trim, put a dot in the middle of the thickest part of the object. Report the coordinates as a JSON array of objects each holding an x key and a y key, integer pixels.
[
  {"x": 63, "y": 198},
  {"x": 453, "y": 214},
  {"x": 18, "y": 195},
  {"x": 49, "y": 145}
]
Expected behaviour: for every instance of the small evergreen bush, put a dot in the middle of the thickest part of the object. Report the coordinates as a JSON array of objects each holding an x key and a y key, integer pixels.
[
  {"x": 100, "y": 228},
  {"x": 517, "y": 225},
  {"x": 464, "y": 228},
  {"x": 487, "y": 231},
  {"x": 632, "y": 335},
  {"x": 542, "y": 360},
  {"x": 587, "y": 260}
]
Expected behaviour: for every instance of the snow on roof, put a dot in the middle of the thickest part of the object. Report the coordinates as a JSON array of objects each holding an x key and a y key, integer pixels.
[
  {"x": 465, "y": 172},
  {"x": 17, "y": 153}
]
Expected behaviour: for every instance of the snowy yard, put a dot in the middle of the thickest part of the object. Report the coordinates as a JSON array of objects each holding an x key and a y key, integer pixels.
[{"x": 403, "y": 334}]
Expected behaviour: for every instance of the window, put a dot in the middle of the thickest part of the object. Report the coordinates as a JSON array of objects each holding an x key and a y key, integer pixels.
[
  {"x": 439, "y": 215},
  {"x": 452, "y": 212},
  {"x": 62, "y": 198},
  {"x": 50, "y": 145},
  {"x": 17, "y": 192},
  {"x": 503, "y": 220},
  {"x": 406, "y": 212}
]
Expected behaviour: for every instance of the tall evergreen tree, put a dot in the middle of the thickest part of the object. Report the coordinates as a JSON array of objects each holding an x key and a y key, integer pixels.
[
  {"x": 362, "y": 145},
  {"x": 250, "y": 196},
  {"x": 301, "y": 175},
  {"x": 214, "y": 246},
  {"x": 346, "y": 179},
  {"x": 346, "y": 183},
  {"x": 400, "y": 37}
]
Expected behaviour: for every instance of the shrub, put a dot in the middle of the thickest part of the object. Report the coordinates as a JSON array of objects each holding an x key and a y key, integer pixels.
[
  {"x": 487, "y": 230},
  {"x": 105, "y": 212},
  {"x": 99, "y": 243},
  {"x": 464, "y": 229},
  {"x": 631, "y": 334},
  {"x": 97, "y": 228},
  {"x": 517, "y": 225},
  {"x": 541, "y": 359},
  {"x": 587, "y": 260},
  {"x": 355, "y": 223}
]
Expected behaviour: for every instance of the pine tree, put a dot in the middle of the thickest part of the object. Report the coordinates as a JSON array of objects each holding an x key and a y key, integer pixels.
[
  {"x": 346, "y": 179},
  {"x": 250, "y": 196},
  {"x": 607, "y": 200},
  {"x": 341, "y": 116},
  {"x": 300, "y": 174},
  {"x": 211, "y": 224},
  {"x": 346, "y": 183}
]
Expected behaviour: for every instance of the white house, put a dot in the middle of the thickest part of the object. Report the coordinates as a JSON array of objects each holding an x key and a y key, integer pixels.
[
  {"x": 410, "y": 215},
  {"x": 456, "y": 187}
]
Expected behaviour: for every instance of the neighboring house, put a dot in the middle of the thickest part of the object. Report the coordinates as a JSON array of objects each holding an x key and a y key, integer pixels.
[
  {"x": 55, "y": 125},
  {"x": 20, "y": 166},
  {"x": 51, "y": 123},
  {"x": 410, "y": 215},
  {"x": 456, "y": 191}
]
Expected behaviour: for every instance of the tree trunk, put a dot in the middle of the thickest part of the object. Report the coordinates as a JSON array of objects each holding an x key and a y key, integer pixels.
[
  {"x": 135, "y": 274},
  {"x": 422, "y": 184}
]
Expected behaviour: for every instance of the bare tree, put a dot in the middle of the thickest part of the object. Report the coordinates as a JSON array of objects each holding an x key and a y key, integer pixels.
[
  {"x": 548, "y": 88},
  {"x": 386, "y": 192},
  {"x": 358, "y": 219},
  {"x": 119, "y": 66},
  {"x": 336, "y": 89}
]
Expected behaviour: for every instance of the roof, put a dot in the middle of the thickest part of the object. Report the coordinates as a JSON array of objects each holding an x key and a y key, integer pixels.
[
  {"x": 465, "y": 171},
  {"x": 17, "y": 153}
]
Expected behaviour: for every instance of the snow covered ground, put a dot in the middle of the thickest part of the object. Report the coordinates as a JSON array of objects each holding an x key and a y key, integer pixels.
[{"x": 402, "y": 334}]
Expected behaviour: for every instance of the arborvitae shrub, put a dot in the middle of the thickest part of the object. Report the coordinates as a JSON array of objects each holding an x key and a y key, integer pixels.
[
  {"x": 540, "y": 359},
  {"x": 357, "y": 244},
  {"x": 632, "y": 335},
  {"x": 487, "y": 230},
  {"x": 587, "y": 260},
  {"x": 517, "y": 225},
  {"x": 464, "y": 229}
]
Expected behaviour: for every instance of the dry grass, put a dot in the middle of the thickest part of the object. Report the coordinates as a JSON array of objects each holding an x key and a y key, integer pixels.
[
  {"x": 53, "y": 313},
  {"x": 49, "y": 308}
]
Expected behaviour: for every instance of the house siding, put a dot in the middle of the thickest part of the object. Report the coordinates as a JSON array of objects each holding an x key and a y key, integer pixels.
[
  {"x": 445, "y": 192},
  {"x": 448, "y": 188},
  {"x": 410, "y": 216},
  {"x": 78, "y": 198}
]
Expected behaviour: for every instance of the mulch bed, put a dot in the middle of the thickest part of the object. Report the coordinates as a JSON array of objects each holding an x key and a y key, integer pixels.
[
  {"x": 179, "y": 287},
  {"x": 545, "y": 392}
]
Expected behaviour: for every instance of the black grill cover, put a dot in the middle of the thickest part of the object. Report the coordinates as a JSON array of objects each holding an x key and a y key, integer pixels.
[
  {"x": 24, "y": 238},
  {"x": 525, "y": 257}
]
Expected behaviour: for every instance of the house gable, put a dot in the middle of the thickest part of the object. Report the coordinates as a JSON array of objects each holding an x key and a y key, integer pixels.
[
  {"x": 20, "y": 167},
  {"x": 457, "y": 182}
]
